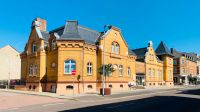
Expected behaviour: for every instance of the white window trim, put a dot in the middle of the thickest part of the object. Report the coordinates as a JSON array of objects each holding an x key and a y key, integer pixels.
[
  {"x": 120, "y": 68},
  {"x": 89, "y": 65},
  {"x": 69, "y": 67},
  {"x": 129, "y": 71}
]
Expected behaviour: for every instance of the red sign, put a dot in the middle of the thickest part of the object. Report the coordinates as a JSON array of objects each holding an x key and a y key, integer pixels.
[{"x": 73, "y": 72}]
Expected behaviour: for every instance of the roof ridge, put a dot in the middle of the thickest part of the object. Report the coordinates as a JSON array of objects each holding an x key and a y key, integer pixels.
[{"x": 88, "y": 29}]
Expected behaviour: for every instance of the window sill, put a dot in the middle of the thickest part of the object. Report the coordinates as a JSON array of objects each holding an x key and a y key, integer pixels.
[{"x": 113, "y": 55}]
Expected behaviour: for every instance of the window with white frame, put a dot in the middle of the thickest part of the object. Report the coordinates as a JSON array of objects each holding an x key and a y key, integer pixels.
[
  {"x": 117, "y": 49},
  {"x": 35, "y": 69},
  {"x": 89, "y": 68},
  {"x": 182, "y": 61},
  {"x": 120, "y": 70},
  {"x": 182, "y": 71},
  {"x": 34, "y": 48},
  {"x": 153, "y": 72},
  {"x": 30, "y": 70},
  {"x": 53, "y": 44},
  {"x": 128, "y": 71},
  {"x": 149, "y": 71},
  {"x": 69, "y": 66},
  {"x": 113, "y": 48}
]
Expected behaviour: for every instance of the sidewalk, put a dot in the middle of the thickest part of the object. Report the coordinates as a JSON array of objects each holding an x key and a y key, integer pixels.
[{"x": 96, "y": 96}]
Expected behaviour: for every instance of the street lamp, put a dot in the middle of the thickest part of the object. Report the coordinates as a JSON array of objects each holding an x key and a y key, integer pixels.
[{"x": 103, "y": 81}]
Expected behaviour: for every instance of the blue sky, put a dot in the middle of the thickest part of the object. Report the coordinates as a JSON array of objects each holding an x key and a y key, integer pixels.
[{"x": 176, "y": 22}]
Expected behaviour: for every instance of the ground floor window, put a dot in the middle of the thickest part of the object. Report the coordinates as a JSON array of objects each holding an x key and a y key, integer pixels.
[{"x": 69, "y": 66}]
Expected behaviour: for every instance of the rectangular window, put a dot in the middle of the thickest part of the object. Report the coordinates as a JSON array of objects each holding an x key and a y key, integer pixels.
[{"x": 182, "y": 62}]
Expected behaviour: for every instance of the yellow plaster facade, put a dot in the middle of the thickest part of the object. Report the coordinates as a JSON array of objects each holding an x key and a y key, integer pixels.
[{"x": 48, "y": 59}]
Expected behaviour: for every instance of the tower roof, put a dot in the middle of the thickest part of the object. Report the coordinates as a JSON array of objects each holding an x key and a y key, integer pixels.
[{"x": 163, "y": 50}]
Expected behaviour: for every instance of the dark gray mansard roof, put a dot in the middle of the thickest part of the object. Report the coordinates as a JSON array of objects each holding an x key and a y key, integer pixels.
[
  {"x": 73, "y": 31},
  {"x": 163, "y": 50},
  {"x": 189, "y": 56},
  {"x": 140, "y": 52}
]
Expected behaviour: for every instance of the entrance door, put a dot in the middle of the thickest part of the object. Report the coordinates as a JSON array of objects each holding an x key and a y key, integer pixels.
[
  {"x": 53, "y": 89},
  {"x": 175, "y": 80}
]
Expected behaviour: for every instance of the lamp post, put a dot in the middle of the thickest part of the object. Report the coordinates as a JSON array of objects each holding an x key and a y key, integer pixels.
[{"x": 103, "y": 76}]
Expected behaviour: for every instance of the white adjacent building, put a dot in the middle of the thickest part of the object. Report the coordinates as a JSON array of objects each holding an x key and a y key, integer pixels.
[{"x": 10, "y": 64}]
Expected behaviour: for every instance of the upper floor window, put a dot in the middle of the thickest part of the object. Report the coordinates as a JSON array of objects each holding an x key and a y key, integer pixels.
[
  {"x": 182, "y": 61},
  {"x": 33, "y": 47},
  {"x": 89, "y": 68},
  {"x": 149, "y": 71},
  {"x": 153, "y": 72},
  {"x": 128, "y": 71},
  {"x": 35, "y": 69},
  {"x": 175, "y": 62},
  {"x": 182, "y": 71},
  {"x": 115, "y": 48},
  {"x": 53, "y": 44},
  {"x": 30, "y": 70},
  {"x": 120, "y": 70},
  {"x": 69, "y": 66}
]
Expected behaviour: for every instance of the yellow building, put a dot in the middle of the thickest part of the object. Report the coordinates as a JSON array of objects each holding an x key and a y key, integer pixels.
[
  {"x": 157, "y": 65},
  {"x": 49, "y": 58}
]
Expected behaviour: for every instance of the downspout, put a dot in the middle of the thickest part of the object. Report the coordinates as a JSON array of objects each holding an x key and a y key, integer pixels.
[{"x": 83, "y": 69}]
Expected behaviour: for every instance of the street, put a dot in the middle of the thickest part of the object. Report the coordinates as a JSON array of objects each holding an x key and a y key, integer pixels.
[{"x": 173, "y": 100}]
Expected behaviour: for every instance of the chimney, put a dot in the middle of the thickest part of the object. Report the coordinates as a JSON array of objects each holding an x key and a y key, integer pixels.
[{"x": 41, "y": 23}]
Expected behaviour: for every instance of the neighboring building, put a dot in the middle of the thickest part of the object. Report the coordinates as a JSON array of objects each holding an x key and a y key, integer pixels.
[
  {"x": 198, "y": 65},
  {"x": 185, "y": 64},
  {"x": 10, "y": 64},
  {"x": 154, "y": 68},
  {"x": 49, "y": 58}
]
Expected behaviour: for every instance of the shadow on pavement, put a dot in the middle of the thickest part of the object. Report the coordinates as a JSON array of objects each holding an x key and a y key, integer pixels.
[
  {"x": 151, "y": 104},
  {"x": 191, "y": 92}
]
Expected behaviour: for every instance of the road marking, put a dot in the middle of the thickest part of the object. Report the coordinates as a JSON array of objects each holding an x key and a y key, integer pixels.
[
  {"x": 52, "y": 104},
  {"x": 13, "y": 109}
]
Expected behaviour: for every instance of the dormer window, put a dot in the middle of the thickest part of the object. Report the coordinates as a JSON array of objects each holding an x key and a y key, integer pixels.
[
  {"x": 33, "y": 47},
  {"x": 53, "y": 44}
]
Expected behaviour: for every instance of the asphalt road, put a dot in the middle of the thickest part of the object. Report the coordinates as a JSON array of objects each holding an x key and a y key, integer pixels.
[{"x": 187, "y": 100}]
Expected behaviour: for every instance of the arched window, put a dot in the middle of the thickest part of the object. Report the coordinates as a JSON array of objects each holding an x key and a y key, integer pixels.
[
  {"x": 35, "y": 69},
  {"x": 53, "y": 44},
  {"x": 120, "y": 70},
  {"x": 31, "y": 70},
  {"x": 117, "y": 48},
  {"x": 128, "y": 71},
  {"x": 33, "y": 47},
  {"x": 89, "y": 68},
  {"x": 113, "y": 48},
  {"x": 69, "y": 65}
]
